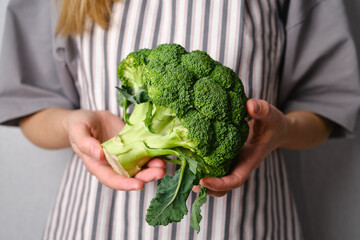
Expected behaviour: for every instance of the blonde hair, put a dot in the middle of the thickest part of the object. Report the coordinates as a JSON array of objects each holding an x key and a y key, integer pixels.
[{"x": 74, "y": 14}]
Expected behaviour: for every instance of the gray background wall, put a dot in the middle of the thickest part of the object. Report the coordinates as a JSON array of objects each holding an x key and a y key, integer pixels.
[{"x": 326, "y": 180}]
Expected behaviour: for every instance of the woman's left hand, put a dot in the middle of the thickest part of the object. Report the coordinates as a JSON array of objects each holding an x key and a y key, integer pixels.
[
  {"x": 269, "y": 129},
  {"x": 267, "y": 132}
]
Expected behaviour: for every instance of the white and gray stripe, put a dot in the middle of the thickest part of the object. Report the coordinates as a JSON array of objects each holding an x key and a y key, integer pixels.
[{"x": 246, "y": 36}]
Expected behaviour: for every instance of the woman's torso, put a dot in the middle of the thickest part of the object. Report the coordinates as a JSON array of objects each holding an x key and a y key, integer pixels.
[{"x": 246, "y": 36}]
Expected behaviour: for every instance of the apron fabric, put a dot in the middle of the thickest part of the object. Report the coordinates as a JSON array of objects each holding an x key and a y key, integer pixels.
[{"x": 246, "y": 36}]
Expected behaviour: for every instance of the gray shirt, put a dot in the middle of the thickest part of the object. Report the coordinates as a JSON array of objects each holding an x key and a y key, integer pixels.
[{"x": 319, "y": 71}]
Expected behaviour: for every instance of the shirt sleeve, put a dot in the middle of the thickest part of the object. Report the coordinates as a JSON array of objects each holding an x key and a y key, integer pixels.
[
  {"x": 37, "y": 68},
  {"x": 320, "y": 71}
]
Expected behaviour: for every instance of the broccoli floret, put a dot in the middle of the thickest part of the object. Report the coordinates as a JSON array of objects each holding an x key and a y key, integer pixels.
[
  {"x": 211, "y": 99},
  {"x": 170, "y": 86},
  {"x": 185, "y": 104},
  {"x": 129, "y": 72},
  {"x": 167, "y": 54},
  {"x": 224, "y": 76},
  {"x": 200, "y": 130},
  {"x": 228, "y": 140},
  {"x": 131, "y": 68},
  {"x": 198, "y": 62}
]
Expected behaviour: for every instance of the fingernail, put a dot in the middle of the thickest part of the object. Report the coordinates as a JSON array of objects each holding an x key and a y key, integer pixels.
[
  {"x": 138, "y": 187},
  {"x": 256, "y": 106},
  {"x": 204, "y": 183}
]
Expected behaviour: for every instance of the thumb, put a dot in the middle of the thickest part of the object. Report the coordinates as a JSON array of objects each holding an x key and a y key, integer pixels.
[
  {"x": 85, "y": 143},
  {"x": 257, "y": 108}
]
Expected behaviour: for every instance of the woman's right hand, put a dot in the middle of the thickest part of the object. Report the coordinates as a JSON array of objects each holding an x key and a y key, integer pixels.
[{"x": 87, "y": 130}]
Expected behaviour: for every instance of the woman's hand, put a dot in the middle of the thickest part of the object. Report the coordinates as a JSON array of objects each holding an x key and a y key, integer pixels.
[
  {"x": 84, "y": 131},
  {"x": 269, "y": 129},
  {"x": 87, "y": 130}
]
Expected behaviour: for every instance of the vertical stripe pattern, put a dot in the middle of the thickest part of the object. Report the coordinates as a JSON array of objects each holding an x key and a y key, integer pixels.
[{"x": 246, "y": 36}]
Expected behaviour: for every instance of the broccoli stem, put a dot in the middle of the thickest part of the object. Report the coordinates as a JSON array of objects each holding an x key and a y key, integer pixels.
[
  {"x": 135, "y": 145},
  {"x": 127, "y": 159}
]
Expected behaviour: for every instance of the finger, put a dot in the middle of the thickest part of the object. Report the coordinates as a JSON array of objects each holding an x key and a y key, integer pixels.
[
  {"x": 209, "y": 192},
  {"x": 85, "y": 142},
  {"x": 196, "y": 189},
  {"x": 235, "y": 179},
  {"x": 150, "y": 174},
  {"x": 106, "y": 175},
  {"x": 258, "y": 108},
  {"x": 156, "y": 163},
  {"x": 222, "y": 184},
  {"x": 113, "y": 124},
  {"x": 216, "y": 194}
]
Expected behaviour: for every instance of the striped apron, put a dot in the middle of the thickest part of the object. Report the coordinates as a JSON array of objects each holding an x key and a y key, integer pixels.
[{"x": 246, "y": 36}]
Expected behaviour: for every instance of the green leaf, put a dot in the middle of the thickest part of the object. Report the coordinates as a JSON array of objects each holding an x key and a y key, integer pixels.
[
  {"x": 126, "y": 97},
  {"x": 141, "y": 96},
  {"x": 169, "y": 204},
  {"x": 193, "y": 164},
  {"x": 196, "y": 217},
  {"x": 196, "y": 164},
  {"x": 124, "y": 94}
]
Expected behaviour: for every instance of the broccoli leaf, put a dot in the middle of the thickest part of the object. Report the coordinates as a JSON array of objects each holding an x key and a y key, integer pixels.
[
  {"x": 193, "y": 164},
  {"x": 141, "y": 96},
  {"x": 126, "y": 97},
  {"x": 196, "y": 217},
  {"x": 169, "y": 204}
]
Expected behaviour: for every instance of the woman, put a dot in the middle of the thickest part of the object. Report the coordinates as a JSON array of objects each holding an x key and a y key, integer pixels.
[{"x": 292, "y": 56}]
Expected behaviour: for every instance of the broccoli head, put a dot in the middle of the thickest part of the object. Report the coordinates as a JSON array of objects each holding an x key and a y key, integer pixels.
[{"x": 187, "y": 105}]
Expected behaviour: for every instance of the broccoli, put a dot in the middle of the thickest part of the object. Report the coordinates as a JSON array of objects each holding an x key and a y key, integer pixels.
[{"x": 187, "y": 105}]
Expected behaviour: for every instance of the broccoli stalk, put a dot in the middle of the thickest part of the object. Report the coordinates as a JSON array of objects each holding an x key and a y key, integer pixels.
[
  {"x": 185, "y": 104},
  {"x": 136, "y": 144}
]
